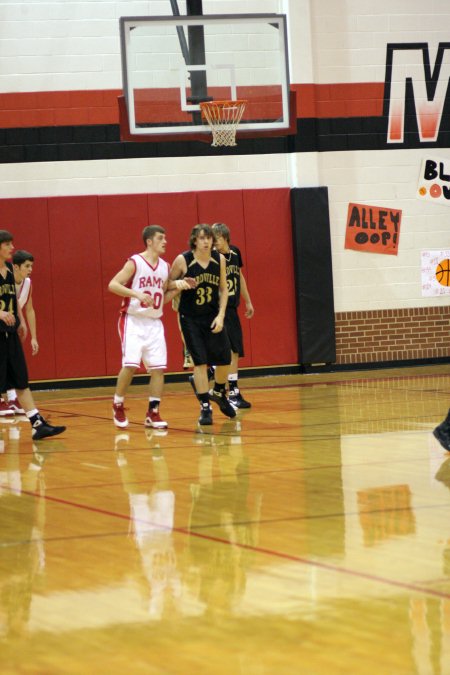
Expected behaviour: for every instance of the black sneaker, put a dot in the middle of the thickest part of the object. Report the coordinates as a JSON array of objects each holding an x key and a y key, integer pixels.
[
  {"x": 237, "y": 401},
  {"x": 442, "y": 434},
  {"x": 42, "y": 429},
  {"x": 205, "y": 418},
  {"x": 225, "y": 406}
]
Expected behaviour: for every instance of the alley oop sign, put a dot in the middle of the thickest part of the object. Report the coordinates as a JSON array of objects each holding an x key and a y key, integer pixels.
[
  {"x": 374, "y": 229},
  {"x": 434, "y": 180}
]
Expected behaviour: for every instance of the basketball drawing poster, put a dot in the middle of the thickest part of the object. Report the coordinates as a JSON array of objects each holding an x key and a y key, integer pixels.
[
  {"x": 435, "y": 273},
  {"x": 374, "y": 229},
  {"x": 434, "y": 180}
]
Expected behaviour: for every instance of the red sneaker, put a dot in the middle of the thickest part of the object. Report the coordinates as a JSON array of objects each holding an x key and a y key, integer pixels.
[
  {"x": 153, "y": 419},
  {"x": 16, "y": 407},
  {"x": 5, "y": 410},
  {"x": 119, "y": 417}
]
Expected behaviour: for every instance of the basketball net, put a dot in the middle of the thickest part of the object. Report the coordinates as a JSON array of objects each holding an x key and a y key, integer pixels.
[{"x": 223, "y": 118}]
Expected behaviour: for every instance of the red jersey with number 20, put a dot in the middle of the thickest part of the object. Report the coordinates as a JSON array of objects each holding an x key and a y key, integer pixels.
[{"x": 147, "y": 279}]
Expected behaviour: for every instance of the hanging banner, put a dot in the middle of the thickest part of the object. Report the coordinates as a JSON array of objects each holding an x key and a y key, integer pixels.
[
  {"x": 435, "y": 273},
  {"x": 374, "y": 229},
  {"x": 434, "y": 180}
]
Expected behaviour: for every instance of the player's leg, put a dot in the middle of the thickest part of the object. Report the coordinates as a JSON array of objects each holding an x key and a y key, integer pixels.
[
  {"x": 153, "y": 417},
  {"x": 17, "y": 377},
  {"x": 154, "y": 356},
  {"x": 194, "y": 332},
  {"x": 5, "y": 410},
  {"x": 131, "y": 360},
  {"x": 234, "y": 330},
  {"x": 219, "y": 352}
]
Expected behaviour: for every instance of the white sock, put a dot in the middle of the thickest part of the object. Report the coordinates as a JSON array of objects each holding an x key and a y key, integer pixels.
[
  {"x": 12, "y": 394},
  {"x": 118, "y": 399}
]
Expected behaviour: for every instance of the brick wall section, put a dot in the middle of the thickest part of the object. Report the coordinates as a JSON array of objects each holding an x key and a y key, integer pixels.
[{"x": 392, "y": 334}]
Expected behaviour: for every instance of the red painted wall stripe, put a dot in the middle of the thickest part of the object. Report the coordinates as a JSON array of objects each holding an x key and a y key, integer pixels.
[{"x": 60, "y": 108}]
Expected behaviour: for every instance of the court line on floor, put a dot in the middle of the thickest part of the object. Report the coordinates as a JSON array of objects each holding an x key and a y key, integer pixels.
[{"x": 256, "y": 549}]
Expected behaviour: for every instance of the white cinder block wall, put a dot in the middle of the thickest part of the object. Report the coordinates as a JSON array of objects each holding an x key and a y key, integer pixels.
[{"x": 62, "y": 45}]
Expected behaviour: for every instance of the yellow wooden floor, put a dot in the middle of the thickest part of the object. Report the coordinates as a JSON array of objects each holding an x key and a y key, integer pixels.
[{"x": 309, "y": 536}]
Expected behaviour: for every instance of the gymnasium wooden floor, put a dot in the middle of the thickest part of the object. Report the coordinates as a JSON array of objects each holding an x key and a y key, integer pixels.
[{"x": 309, "y": 536}]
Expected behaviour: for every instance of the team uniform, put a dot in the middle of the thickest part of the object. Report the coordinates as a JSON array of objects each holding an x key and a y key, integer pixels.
[
  {"x": 198, "y": 308},
  {"x": 23, "y": 292},
  {"x": 140, "y": 328},
  {"x": 232, "y": 322},
  {"x": 13, "y": 368}
]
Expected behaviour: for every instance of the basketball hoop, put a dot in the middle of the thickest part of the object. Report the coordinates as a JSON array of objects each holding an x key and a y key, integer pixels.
[{"x": 223, "y": 118}]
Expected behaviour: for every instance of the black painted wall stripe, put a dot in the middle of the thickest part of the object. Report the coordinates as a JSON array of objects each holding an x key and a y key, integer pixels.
[{"x": 59, "y": 144}]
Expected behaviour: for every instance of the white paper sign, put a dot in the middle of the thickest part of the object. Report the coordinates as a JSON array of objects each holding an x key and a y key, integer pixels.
[
  {"x": 435, "y": 273},
  {"x": 434, "y": 180}
]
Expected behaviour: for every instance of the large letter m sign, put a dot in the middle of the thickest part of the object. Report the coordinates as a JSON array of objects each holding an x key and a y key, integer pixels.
[{"x": 409, "y": 73}]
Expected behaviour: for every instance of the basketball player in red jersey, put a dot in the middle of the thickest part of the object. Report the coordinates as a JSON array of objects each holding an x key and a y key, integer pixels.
[
  {"x": 202, "y": 313},
  {"x": 13, "y": 367},
  {"x": 143, "y": 283}
]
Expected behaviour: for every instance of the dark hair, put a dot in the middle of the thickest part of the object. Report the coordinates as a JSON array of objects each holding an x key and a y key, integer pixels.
[
  {"x": 221, "y": 230},
  {"x": 20, "y": 257},
  {"x": 197, "y": 230},
  {"x": 5, "y": 236},
  {"x": 149, "y": 232}
]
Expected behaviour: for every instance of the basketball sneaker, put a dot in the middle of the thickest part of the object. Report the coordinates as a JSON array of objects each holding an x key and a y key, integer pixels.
[
  {"x": 237, "y": 401},
  {"x": 220, "y": 398},
  {"x": 5, "y": 410},
  {"x": 442, "y": 432},
  {"x": 119, "y": 417},
  {"x": 153, "y": 419},
  {"x": 205, "y": 418},
  {"x": 16, "y": 407},
  {"x": 42, "y": 429}
]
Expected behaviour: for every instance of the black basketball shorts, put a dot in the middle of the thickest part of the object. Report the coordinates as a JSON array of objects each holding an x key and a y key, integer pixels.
[
  {"x": 13, "y": 367},
  {"x": 205, "y": 346},
  {"x": 234, "y": 330}
]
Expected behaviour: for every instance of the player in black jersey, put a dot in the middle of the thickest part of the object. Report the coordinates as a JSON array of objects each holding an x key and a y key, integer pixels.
[
  {"x": 202, "y": 312},
  {"x": 237, "y": 286},
  {"x": 13, "y": 368}
]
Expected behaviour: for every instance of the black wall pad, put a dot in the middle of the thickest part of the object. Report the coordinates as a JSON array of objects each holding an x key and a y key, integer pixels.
[{"x": 313, "y": 275}]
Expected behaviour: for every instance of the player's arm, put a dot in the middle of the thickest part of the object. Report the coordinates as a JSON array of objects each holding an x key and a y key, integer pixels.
[
  {"x": 177, "y": 281},
  {"x": 31, "y": 320},
  {"x": 249, "y": 310},
  {"x": 22, "y": 330},
  {"x": 118, "y": 286},
  {"x": 217, "y": 324}
]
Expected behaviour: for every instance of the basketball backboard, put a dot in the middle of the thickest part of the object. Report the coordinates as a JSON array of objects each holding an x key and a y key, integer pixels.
[{"x": 172, "y": 63}]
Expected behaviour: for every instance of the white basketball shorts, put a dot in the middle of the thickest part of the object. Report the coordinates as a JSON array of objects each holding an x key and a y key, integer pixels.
[{"x": 142, "y": 340}]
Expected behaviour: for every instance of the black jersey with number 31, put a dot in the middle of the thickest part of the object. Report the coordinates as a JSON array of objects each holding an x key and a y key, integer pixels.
[{"x": 204, "y": 299}]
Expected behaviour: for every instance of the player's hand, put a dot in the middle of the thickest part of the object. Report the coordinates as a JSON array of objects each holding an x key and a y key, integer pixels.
[
  {"x": 249, "y": 311},
  {"x": 34, "y": 347},
  {"x": 22, "y": 331},
  {"x": 8, "y": 318},
  {"x": 217, "y": 324},
  {"x": 185, "y": 284},
  {"x": 145, "y": 299}
]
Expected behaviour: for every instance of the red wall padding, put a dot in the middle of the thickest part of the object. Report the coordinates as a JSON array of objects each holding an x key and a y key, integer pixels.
[
  {"x": 77, "y": 286},
  {"x": 80, "y": 243}
]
